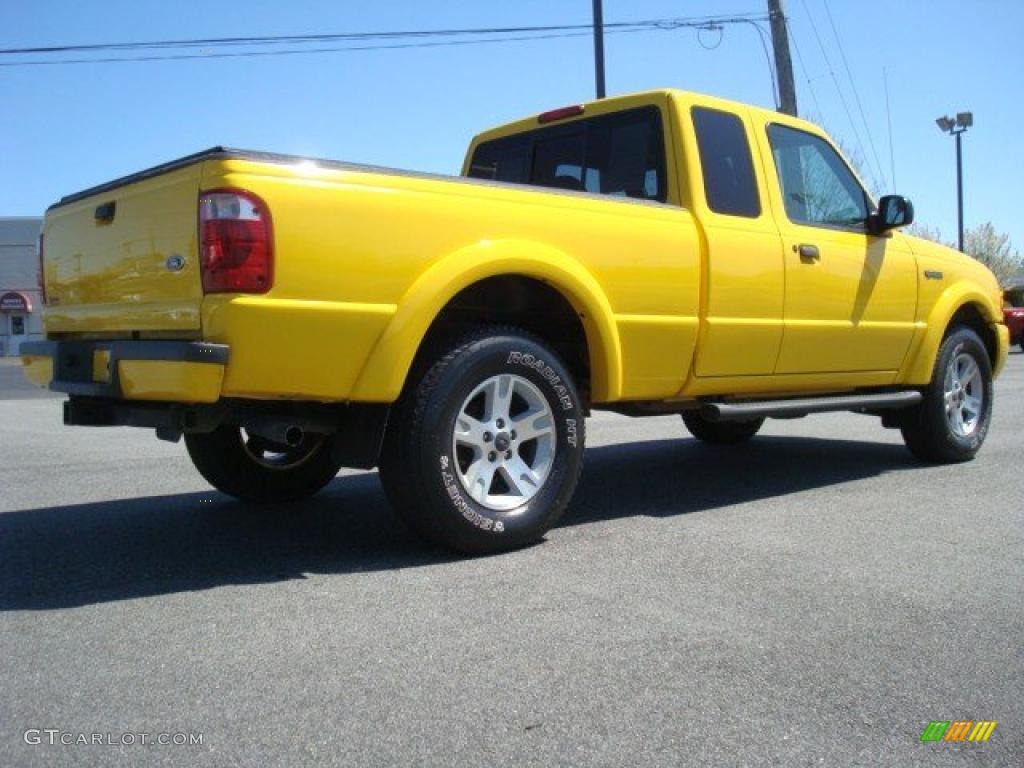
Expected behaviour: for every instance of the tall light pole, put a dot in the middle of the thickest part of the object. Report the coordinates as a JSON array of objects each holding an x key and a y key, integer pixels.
[
  {"x": 599, "y": 49},
  {"x": 955, "y": 127}
]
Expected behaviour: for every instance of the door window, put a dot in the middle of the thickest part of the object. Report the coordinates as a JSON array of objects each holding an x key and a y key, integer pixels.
[
  {"x": 818, "y": 187},
  {"x": 17, "y": 325}
]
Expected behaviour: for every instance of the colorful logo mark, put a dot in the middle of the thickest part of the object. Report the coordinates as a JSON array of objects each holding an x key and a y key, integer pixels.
[{"x": 958, "y": 730}]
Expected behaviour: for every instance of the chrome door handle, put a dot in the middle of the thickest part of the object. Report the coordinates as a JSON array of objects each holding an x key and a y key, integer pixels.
[{"x": 808, "y": 252}]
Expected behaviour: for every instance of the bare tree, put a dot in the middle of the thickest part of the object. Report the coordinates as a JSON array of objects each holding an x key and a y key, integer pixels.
[
  {"x": 991, "y": 248},
  {"x": 928, "y": 233},
  {"x": 994, "y": 250}
]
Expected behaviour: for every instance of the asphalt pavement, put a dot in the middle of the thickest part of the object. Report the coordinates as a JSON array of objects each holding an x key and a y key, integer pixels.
[{"x": 815, "y": 597}]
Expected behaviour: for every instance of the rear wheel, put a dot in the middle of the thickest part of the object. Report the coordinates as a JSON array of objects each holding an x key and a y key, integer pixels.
[
  {"x": 720, "y": 432},
  {"x": 252, "y": 468},
  {"x": 484, "y": 449},
  {"x": 952, "y": 420}
]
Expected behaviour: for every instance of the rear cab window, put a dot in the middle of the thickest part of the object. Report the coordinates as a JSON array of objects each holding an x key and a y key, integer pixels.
[
  {"x": 730, "y": 186},
  {"x": 620, "y": 155}
]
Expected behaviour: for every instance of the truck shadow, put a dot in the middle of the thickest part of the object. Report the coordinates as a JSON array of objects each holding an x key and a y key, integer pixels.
[{"x": 81, "y": 554}]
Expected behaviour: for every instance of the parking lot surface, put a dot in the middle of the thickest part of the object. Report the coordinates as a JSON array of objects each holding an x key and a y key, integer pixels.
[{"x": 815, "y": 597}]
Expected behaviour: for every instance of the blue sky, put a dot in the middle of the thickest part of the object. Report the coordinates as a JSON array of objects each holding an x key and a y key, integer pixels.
[{"x": 68, "y": 127}]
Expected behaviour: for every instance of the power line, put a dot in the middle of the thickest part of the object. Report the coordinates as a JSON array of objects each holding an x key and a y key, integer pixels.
[
  {"x": 298, "y": 39},
  {"x": 856, "y": 95},
  {"x": 164, "y": 50},
  {"x": 888, "y": 120},
  {"x": 835, "y": 80},
  {"x": 668, "y": 23},
  {"x": 767, "y": 56},
  {"x": 246, "y": 54},
  {"x": 807, "y": 75}
]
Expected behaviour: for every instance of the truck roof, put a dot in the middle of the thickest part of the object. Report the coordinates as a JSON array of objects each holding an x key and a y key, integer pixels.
[{"x": 628, "y": 100}]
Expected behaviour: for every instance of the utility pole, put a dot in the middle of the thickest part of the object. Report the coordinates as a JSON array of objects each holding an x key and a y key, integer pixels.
[
  {"x": 783, "y": 61},
  {"x": 599, "y": 48}
]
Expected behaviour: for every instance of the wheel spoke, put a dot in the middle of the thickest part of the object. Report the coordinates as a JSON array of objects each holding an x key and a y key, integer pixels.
[
  {"x": 498, "y": 398},
  {"x": 521, "y": 480},
  {"x": 532, "y": 425},
  {"x": 272, "y": 455},
  {"x": 950, "y": 377},
  {"x": 525, "y": 473},
  {"x": 479, "y": 477},
  {"x": 968, "y": 370},
  {"x": 469, "y": 431},
  {"x": 958, "y": 421},
  {"x": 973, "y": 405}
]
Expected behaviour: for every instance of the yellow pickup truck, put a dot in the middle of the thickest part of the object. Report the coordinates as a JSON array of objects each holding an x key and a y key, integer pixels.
[{"x": 662, "y": 252}]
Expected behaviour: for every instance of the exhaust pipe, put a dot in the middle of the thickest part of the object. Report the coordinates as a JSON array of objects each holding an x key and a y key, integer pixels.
[
  {"x": 293, "y": 436},
  {"x": 277, "y": 432}
]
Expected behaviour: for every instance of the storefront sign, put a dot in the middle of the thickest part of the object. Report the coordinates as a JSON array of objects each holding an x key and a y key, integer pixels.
[{"x": 15, "y": 302}]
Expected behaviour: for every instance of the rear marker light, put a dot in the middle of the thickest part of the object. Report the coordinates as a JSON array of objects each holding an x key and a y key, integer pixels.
[{"x": 235, "y": 242}]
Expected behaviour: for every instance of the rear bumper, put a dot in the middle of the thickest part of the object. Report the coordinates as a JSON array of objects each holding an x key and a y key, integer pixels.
[{"x": 177, "y": 371}]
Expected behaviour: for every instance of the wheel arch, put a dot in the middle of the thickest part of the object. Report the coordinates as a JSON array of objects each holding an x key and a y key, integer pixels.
[
  {"x": 964, "y": 305},
  {"x": 447, "y": 281}
]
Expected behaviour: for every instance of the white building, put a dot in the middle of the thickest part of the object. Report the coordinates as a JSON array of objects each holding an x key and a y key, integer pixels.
[{"x": 21, "y": 299}]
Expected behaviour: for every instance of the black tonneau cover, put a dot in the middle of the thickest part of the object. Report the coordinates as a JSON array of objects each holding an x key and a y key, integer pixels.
[{"x": 225, "y": 153}]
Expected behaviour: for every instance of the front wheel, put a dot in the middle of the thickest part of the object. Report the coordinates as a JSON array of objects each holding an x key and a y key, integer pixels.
[
  {"x": 483, "y": 451},
  {"x": 952, "y": 420},
  {"x": 252, "y": 468}
]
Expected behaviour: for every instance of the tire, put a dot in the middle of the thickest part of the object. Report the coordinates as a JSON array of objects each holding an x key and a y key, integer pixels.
[
  {"x": 962, "y": 375},
  {"x": 253, "y": 469},
  {"x": 720, "y": 432},
  {"x": 467, "y": 490}
]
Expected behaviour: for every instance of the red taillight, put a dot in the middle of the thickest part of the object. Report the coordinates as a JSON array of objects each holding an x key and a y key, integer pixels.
[
  {"x": 560, "y": 114},
  {"x": 236, "y": 248},
  {"x": 42, "y": 272}
]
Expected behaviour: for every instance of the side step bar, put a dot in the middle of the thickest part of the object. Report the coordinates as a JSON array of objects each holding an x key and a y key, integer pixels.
[{"x": 795, "y": 408}]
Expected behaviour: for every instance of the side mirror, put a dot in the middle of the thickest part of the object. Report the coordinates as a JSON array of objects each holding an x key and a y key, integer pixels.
[{"x": 893, "y": 211}]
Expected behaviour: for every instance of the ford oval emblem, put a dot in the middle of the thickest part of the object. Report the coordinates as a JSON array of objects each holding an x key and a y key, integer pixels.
[{"x": 175, "y": 263}]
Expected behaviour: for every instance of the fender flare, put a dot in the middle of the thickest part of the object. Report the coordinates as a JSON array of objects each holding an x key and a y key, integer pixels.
[
  {"x": 921, "y": 363},
  {"x": 383, "y": 375}
]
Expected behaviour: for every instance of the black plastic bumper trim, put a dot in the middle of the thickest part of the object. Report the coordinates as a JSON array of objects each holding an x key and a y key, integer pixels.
[{"x": 72, "y": 360}]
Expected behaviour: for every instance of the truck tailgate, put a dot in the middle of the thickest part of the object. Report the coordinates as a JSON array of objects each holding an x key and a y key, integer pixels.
[{"x": 124, "y": 257}]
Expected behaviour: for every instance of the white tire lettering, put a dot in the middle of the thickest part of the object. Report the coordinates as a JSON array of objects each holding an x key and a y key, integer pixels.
[{"x": 546, "y": 372}]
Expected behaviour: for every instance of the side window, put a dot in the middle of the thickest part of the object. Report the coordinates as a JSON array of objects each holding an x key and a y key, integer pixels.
[
  {"x": 501, "y": 160},
  {"x": 621, "y": 154},
  {"x": 817, "y": 186},
  {"x": 729, "y": 183}
]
